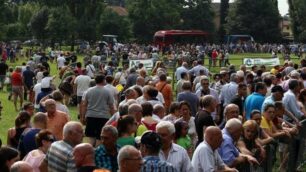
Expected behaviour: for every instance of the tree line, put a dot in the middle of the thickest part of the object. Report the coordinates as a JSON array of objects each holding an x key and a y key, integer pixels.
[{"x": 68, "y": 20}]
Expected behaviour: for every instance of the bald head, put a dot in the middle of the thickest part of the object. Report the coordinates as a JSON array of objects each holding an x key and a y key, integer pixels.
[
  {"x": 84, "y": 148},
  {"x": 21, "y": 166},
  {"x": 84, "y": 154},
  {"x": 213, "y": 136}
]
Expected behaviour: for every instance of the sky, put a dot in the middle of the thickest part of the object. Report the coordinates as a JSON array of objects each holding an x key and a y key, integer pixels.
[{"x": 282, "y": 6}]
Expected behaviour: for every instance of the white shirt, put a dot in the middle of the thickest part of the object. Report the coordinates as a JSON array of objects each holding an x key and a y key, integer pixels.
[
  {"x": 60, "y": 61},
  {"x": 37, "y": 90},
  {"x": 61, "y": 107},
  {"x": 46, "y": 82},
  {"x": 178, "y": 157},
  {"x": 228, "y": 92},
  {"x": 204, "y": 159},
  {"x": 82, "y": 82},
  {"x": 90, "y": 70},
  {"x": 179, "y": 71},
  {"x": 39, "y": 76}
]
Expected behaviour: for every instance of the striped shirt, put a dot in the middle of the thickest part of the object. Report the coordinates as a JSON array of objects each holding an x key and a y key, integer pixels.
[
  {"x": 154, "y": 164},
  {"x": 60, "y": 158},
  {"x": 105, "y": 160},
  {"x": 178, "y": 157}
]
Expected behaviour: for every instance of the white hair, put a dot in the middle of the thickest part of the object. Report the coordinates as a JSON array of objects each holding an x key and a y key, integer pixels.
[
  {"x": 233, "y": 123},
  {"x": 124, "y": 153},
  {"x": 166, "y": 124},
  {"x": 69, "y": 127}
]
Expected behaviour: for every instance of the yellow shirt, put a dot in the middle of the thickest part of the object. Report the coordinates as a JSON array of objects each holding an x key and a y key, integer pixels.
[{"x": 265, "y": 124}]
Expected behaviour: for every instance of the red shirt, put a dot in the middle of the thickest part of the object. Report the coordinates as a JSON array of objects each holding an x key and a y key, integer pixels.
[{"x": 16, "y": 79}]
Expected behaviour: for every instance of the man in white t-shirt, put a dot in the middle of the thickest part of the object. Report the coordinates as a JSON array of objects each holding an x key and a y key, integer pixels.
[
  {"x": 90, "y": 70},
  {"x": 37, "y": 90},
  {"x": 60, "y": 61},
  {"x": 81, "y": 84}
]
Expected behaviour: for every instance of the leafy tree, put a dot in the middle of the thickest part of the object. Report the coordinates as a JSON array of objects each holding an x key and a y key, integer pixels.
[
  {"x": 25, "y": 13},
  {"x": 197, "y": 14},
  {"x": 258, "y": 18},
  {"x": 112, "y": 23},
  {"x": 298, "y": 19},
  {"x": 224, "y": 7},
  {"x": 39, "y": 22},
  {"x": 148, "y": 16},
  {"x": 60, "y": 24}
]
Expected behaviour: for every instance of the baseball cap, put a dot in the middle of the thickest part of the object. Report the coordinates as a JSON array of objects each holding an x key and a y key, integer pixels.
[{"x": 151, "y": 139}]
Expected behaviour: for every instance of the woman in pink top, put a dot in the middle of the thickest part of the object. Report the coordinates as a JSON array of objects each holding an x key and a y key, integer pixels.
[{"x": 43, "y": 140}]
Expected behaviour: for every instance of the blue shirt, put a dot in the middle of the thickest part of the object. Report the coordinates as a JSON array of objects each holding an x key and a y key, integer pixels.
[
  {"x": 290, "y": 102},
  {"x": 105, "y": 160},
  {"x": 228, "y": 150},
  {"x": 252, "y": 102},
  {"x": 27, "y": 141},
  {"x": 268, "y": 100},
  {"x": 154, "y": 164}
]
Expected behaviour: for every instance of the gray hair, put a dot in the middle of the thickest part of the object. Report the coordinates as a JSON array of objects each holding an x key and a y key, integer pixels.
[
  {"x": 233, "y": 77},
  {"x": 124, "y": 153},
  {"x": 166, "y": 124},
  {"x": 157, "y": 108},
  {"x": 111, "y": 129},
  {"x": 134, "y": 108},
  {"x": 227, "y": 107},
  {"x": 233, "y": 123},
  {"x": 204, "y": 78},
  {"x": 69, "y": 127},
  {"x": 206, "y": 101}
]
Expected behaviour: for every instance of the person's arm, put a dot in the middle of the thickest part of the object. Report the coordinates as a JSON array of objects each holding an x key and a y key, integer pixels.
[
  {"x": 266, "y": 139},
  {"x": 290, "y": 115},
  {"x": 274, "y": 134},
  {"x": 83, "y": 109},
  {"x": 243, "y": 149}
]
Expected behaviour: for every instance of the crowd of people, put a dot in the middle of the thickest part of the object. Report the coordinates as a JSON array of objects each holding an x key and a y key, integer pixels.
[{"x": 135, "y": 120}]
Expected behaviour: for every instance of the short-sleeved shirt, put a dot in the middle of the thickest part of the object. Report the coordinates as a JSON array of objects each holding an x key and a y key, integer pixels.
[
  {"x": 56, "y": 124},
  {"x": 105, "y": 160},
  {"x": 206, "y": 159},
  {"x": 16, "y": 79},
  {"x": 185, "y": 142},
  {"x": 60, "y": 157},
  {"x": 28, "y": 77},
  {"x": 252, "y": 102},
  {"x": 123, "y": 141},
  {"x": 83, "y": 83},
  {"x": 178, "y": 157},
  {"x": 265, "y": 124},
  {"x": 228, "y": 150},
  {"x": 154, "y": 164},
  {"x": 27, "y": 141},
  {"x": 99, "y": 100}
]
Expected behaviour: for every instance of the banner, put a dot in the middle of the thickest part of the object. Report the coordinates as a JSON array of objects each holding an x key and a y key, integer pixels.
[
  {"x": 257, "y": 61},
  {"x": 147, "y": 63}
]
